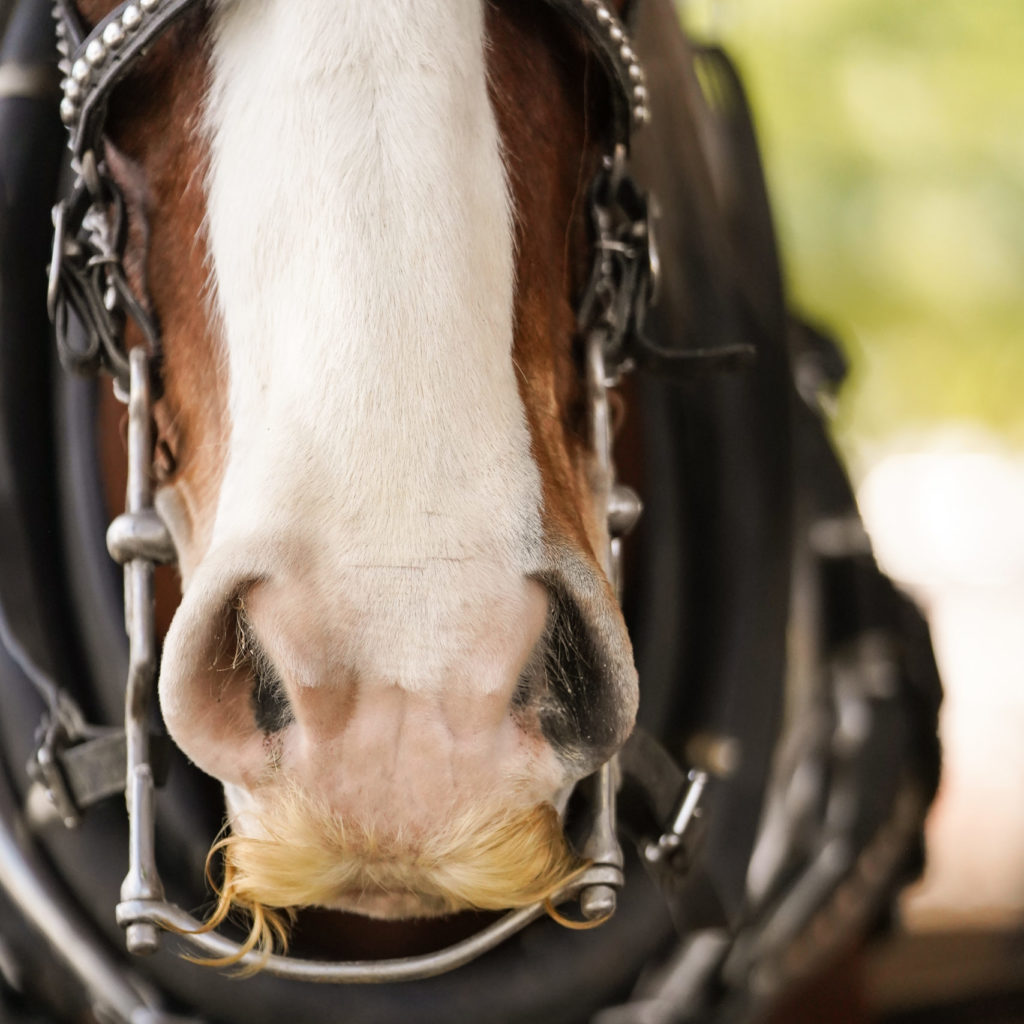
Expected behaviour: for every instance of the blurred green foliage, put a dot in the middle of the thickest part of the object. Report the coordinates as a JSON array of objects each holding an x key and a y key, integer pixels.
[{"x": 895, "y": 154}]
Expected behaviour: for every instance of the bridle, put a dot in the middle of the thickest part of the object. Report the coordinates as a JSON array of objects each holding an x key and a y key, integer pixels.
[{"x": 88, "y": 282}]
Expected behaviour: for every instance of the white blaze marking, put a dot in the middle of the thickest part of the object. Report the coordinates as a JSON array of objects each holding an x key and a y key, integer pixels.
[{"x": 362, "y": 262}]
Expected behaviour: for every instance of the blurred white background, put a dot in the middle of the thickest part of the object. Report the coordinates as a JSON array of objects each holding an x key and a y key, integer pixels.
[{"x": 946, "y": 514}]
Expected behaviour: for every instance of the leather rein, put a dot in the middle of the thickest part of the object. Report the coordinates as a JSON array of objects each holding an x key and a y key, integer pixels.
[{"x": 88, "y": 284}]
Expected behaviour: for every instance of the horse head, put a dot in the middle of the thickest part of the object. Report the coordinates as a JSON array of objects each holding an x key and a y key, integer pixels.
[{"x": 360, "y": 228}]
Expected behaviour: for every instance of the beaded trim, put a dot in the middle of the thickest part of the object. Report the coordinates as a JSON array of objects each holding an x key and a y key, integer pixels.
[{"x": 621, "y": 45}]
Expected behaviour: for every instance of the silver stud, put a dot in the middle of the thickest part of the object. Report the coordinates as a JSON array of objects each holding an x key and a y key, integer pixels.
[
  {"x": 624, "y": 509},
  {"x": 68, "y": 111},
  {"x": 113, "y": 35},
  {"x": 148, "y": 5},
  {"x": 72, "y": 90},
  {"x": 641, "y": 115},
  {"x": 616, "y": 33},
  {"x": 63, "y": 48},
  {"x": 64, "y": 67},
  {"x": 640, "y": 94},
  {"x": 626, "y": 53},
  {"x": 81, "y": 72},
  {"x": 131, "y": 18},
  {"x": 636, "y": 73},
  {"x": 96, "y": 53},
  {"x": 604, "y": 15}
]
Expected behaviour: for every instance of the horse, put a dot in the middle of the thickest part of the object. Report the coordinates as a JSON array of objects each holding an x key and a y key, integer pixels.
[{"x": 368, "y": 278}]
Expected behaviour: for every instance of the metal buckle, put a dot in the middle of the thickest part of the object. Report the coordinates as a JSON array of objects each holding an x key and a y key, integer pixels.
[
  {"x": 71, "y": 771},
  {"x": 46, "y": 769},
  {"x": 66, "y": 776}
]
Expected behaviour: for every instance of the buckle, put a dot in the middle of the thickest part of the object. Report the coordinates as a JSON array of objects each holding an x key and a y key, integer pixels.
[
  {"x": 45, "y": 768},
  {"x": 71, "y": 771}
]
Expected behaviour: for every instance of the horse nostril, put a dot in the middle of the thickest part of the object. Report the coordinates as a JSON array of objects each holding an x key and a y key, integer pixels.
[
  {"x": 581, "y": 681},
  {"x": 577, "y": 706},
  {"x": 271, "y": 709},
  {"x": 219, "y": 693}
]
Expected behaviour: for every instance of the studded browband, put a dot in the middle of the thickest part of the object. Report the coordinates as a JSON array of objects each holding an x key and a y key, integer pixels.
[{"x": 94, "y": 63}]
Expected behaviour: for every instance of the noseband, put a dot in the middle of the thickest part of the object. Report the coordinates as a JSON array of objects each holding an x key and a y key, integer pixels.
[{"x": 87, "y": 282}]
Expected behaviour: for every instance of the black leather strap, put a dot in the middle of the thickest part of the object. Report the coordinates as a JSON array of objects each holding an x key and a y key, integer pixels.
[
  {"x": 97, "y": 63},
  {"x": 609, "y": 39}
]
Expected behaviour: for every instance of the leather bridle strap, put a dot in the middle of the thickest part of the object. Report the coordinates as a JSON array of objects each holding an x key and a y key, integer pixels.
[
  {"x": 97, "y": 62},
  {"x": 608, "y": 39},
  {"x": 86, "y": 270}
]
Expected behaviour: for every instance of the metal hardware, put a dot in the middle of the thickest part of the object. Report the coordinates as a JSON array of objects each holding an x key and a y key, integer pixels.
[
  {"x": 142, "y": 881},
  {"x": 72, "y": 775},
  {"x": 602, "y": 849},
  {"x": 140, "y": 535},
  {"x": 47, "y": 771},
  {"x": 689, "y": 808},
  {"x": 622, "y": 508},
  {"x": 74, "y": 764},
  {"x": 132, "y": 913},
  {"x": 621, "y": 279}
]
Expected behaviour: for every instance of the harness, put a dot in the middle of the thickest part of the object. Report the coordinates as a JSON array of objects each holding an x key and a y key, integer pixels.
[{"x": 744, "y": 873}]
